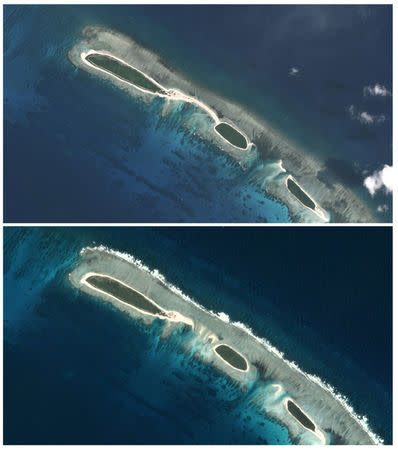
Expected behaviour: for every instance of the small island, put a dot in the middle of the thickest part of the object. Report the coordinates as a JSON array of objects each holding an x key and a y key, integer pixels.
[
  {"x": 296, "y": 190},
  {"x": 299, "y": 415},
  {"x": 125, "y": 72},
  {"x": 231, "y": 134},
  {"x": 231, "y": 357},
  {"x": 124, "y": 294}
]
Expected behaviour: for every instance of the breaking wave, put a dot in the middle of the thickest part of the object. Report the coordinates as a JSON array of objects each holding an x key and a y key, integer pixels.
[{"x": 342, "y": 399}]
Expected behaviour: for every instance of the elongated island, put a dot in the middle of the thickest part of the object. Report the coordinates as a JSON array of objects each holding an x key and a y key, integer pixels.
[
  {"x": 284, "y": 171},
  {"x": 311, "y": 410},
  {"x": 232, "y": 357}
]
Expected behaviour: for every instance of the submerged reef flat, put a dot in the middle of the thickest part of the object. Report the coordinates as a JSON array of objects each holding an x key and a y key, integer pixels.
[
  {"x": 268, "y": 158},
  {"x": 310, "y": 409}
]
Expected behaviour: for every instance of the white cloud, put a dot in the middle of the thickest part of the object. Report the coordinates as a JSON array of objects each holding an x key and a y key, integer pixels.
[
  {"x": 380, "y": 179},
  {"x": 365, "y": 117},
  {"x": 376, "y": 90},
  {"x": 382, "y": 208},
  {"x": 294, "y": 71}
]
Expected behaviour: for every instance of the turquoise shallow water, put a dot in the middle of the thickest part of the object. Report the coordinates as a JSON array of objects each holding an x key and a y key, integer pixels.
[
  {"x": 108, "y": 159},
  {"x": 87, "y": 374}
]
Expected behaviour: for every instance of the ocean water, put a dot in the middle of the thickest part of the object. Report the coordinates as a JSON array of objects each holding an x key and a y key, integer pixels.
[
  {"x": 79, "y": 371},
  {"x": 91, "y": 154}
]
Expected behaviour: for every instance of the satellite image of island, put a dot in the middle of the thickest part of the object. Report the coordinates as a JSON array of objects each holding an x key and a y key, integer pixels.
[
  {"x": 197, "y": 335},
  {"x": 198, "y": 113}
]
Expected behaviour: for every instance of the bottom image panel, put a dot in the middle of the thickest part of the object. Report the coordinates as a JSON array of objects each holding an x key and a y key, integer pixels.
[{"x": 197, "y": 335}]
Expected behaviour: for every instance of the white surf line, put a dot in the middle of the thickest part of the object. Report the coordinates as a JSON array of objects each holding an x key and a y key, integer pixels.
[
  {"x": 226, "y": 362},
  {"x": 318, "y": 432},
  {"x": 318, "y": 210},
  {"x": 171, "y": 94},
  {"x": 172, "y": 316},
  {"x": 343, "y": 400}
]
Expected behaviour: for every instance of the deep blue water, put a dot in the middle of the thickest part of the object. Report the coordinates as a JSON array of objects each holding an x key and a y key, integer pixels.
[
  {"x": 91, "y": 154},
  {"x": 78, "y": 371}
]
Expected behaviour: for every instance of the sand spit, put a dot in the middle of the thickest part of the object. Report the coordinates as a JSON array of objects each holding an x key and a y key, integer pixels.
[
  {"x": 269, "y": 380},
  {"x": 334, "y": 201}
]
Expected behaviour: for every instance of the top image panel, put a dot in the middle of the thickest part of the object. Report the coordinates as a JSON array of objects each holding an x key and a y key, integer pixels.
[{"x": 232, "y": 114}]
